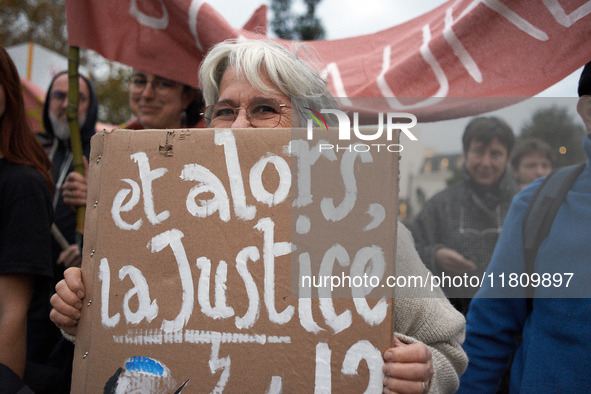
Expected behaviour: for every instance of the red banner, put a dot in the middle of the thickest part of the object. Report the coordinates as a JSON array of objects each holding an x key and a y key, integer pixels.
[
  {"x": 464, "y": 48},
  {"x": 34, "y": 98}
]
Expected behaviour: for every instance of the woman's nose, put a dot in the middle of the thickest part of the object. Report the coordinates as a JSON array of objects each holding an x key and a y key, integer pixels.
[{"x": 241, "y": 121}]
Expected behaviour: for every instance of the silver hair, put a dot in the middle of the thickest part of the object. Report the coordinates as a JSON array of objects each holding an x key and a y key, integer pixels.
[{"x": 251, "y": 59}]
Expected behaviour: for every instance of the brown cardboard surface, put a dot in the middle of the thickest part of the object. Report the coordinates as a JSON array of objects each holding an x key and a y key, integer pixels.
[{"x": 190, "y": 244}]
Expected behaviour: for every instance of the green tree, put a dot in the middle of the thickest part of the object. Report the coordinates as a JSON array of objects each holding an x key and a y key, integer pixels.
[
  {"x": 558, "y": 128},
  {"x": 305, "y": 27},
  {"x": 39, "y": 21},
  {"x": 44, "y": 22},
  {"x": 282, "y": 22},
  {"x": 112, "y": 92}
]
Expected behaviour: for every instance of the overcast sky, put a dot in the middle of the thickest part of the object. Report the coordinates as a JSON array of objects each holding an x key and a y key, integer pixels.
[{"x": 349, "y": 18}]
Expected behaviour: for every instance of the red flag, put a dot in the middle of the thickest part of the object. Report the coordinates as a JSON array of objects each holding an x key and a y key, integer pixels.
[{"x": 464, "y": 48}]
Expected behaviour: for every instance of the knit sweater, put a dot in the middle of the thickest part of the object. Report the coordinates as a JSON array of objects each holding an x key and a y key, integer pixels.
[{"x": 422, "y": 315}]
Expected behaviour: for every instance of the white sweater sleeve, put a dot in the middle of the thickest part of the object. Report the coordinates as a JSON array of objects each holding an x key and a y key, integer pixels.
[{"x": 426, "y": 316}]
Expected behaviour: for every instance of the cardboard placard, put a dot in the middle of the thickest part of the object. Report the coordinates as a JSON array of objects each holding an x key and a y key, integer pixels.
[{"x": 192, "y": 238}]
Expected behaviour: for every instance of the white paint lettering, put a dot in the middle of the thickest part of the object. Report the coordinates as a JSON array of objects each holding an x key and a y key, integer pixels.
[
  {"x": 369, "y": 261},
  {"x": 243, "y": 211},
  {"x": 105, "y": 278},
  {"x": 147, "y": 176},
  {"x": 327, "y": 206},
  {"x": 364, "y": 350},
  {"x": 221, "y": 310},
  {"x": 208, "y": 183},
  {"x": 307, "y": 157},
  {"x": 146, "y": 309},
  {"x": 117, "y": 207},
  {"x": 337, "y": 322},
  {"x": 270, "y": 251},
  {"x": 252, "y": 314},
  {"x": 158, "y": 243},
  {"x": 305, "y": 298},
  {"x": 322, "y": 383},
  {"x": 256, "y": 180}
]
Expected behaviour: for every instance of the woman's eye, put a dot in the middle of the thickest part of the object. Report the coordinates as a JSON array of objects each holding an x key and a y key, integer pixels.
[
  {"x": 262, "y": 109},
  {"x": 223, "y": 112},
  {"x": 138, "y": 81},
  {"x": 166, "y": 84}
]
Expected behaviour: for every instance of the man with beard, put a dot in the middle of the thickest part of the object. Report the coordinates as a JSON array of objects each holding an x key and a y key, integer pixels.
[
  {"x": 60, "y": 154},
  {"x": 57, "y": 128}
]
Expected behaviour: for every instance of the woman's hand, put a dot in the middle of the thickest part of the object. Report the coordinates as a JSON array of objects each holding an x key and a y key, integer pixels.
[
  {"x": 67, "y": 301},
  {"x": 408, "y": 368}
]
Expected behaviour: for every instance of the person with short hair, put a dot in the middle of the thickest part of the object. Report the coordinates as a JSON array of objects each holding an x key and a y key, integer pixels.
[
  {"x": 157, "y": 103},
  {"x": 250, "y": 84},
  {"x": 532, "y": 159},
  {"x": 553, "y": 355},
  {"x": 457, "y": 229},
  {"x": 161, "y": 103}
]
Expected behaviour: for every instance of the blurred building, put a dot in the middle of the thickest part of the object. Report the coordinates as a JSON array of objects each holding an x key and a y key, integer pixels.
[{"x": 430, "y": 178}]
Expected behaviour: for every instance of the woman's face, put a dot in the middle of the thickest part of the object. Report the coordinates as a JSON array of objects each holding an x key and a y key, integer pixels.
[
  {"x": 157, "y": 102},
  {"x": 239, "y": 94}
]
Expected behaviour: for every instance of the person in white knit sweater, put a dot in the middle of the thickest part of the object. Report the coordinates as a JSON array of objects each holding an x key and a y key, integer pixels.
[{"x": 426, "y": 355}]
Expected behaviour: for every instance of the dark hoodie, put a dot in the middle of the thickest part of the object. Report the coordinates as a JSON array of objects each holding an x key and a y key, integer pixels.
[{"x": 60, "y": 153}]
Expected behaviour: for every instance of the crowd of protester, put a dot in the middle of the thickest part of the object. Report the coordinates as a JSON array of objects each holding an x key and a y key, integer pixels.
[{"x": 472, "y": 227}]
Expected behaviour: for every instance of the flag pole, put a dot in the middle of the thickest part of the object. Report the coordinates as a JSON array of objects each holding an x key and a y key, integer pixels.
[{"x": 75, "y": 139}]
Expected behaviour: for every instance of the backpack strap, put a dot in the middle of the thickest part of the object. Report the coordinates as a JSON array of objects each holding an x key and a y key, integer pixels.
[{"x": 540, "y": 215}]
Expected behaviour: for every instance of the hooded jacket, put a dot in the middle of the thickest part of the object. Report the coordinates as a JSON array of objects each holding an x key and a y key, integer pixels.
[{"x": 61, "y": 159}]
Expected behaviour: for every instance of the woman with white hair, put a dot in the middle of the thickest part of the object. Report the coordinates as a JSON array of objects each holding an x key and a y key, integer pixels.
[
  {"x": 250, "y": 84},
  {"x": 268, "y": 70}
]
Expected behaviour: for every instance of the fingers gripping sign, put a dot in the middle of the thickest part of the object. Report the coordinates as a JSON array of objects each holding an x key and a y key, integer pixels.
[
  {"x": 408, "y": 368},
  {"x": 67, "y": 301}
]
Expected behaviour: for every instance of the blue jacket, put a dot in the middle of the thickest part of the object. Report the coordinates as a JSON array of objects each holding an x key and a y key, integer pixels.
[{"x": 555, "y": 352}]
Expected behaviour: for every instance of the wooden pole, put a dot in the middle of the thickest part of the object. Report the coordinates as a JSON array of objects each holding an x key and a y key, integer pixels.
[{"x": 75, "y": 138}]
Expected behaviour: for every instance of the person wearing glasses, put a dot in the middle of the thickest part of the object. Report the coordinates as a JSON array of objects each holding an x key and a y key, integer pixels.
[
  {"x": 160, "y": 103},
  {"x": 65, "y": 252},
  {"x": 457, "y": 229},
  {"x": 58, "y": 130},
  {"x": 157, "y": 103},
  {"x": 250, "y": 84}
]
